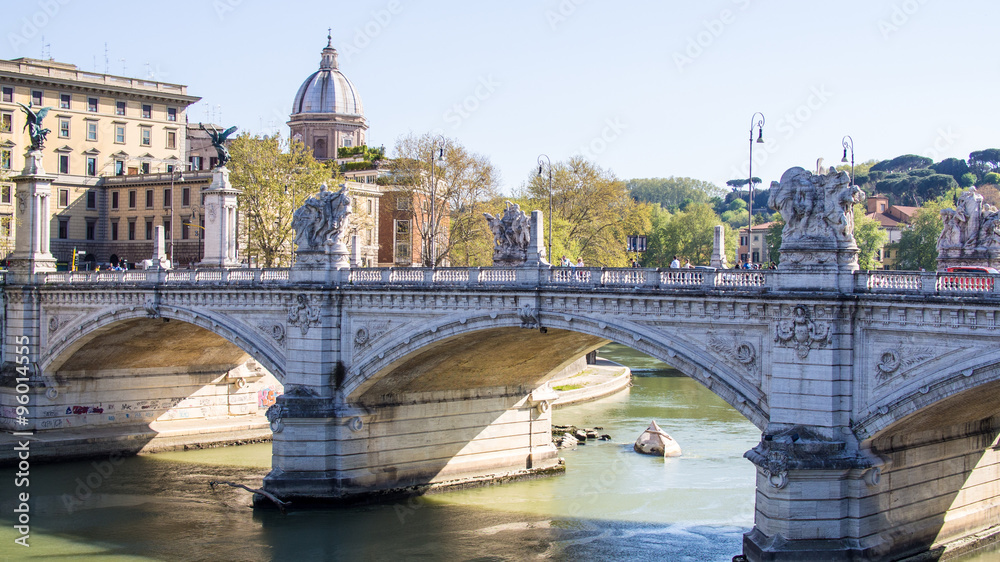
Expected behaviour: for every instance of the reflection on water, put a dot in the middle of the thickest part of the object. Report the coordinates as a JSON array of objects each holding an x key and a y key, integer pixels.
[{"x": 612, "y": 503}]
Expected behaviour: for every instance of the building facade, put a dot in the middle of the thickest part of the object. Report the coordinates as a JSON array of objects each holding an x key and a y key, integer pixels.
[{"x": 101, "y": 126}]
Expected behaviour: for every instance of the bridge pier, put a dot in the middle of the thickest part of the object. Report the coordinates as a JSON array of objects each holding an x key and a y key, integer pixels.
[{"x": 328, "y": 452}]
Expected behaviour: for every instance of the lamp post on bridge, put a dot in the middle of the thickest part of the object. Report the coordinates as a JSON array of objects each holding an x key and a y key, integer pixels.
[
  {"x": 759, "y": 123},
  {"x": 438, "y": 147},
  {"x": 848, "y": 143},
  {"x": 549, "y": 162}
]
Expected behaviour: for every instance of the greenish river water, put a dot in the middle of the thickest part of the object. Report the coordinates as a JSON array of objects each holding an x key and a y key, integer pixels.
[{"x": 611, "y": 504}]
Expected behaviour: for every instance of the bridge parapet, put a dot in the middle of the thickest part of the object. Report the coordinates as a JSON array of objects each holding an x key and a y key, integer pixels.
[{"x": 930, "y": 283}]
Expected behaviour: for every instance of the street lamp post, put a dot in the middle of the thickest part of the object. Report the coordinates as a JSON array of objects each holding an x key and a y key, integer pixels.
[
  {"x": 550, "y": 198},
  {"x": 759, "y": 123},
  {"x": 848, "y": 143},
  {"x": 438, "y": 147}
]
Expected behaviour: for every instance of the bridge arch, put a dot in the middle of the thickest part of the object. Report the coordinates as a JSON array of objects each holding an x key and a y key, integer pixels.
[
  {"x": 75, "y": 335},
  {"x": 497, "y": 334},
  {"x": 967, "y": 390}
]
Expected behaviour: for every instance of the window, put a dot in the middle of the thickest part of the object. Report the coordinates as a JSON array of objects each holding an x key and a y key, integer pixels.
[
  {"x": 402, "y": 239},
  {"x": 36, "y": 97},
  {"x": 171, "y": 139},
  {"x": 371, "y": 205},
  {"x": 147, "y": 111},
  {"x": 119, "y": 108},
  {"x": 114, "y": 230},
  {"x": 195, "y": 162},
  {"x": 149, "y": 198},
  {"x": 147, "y": 136},
  {"x": 170, "y": 168},
  {"x": 6, "y": 122},
  {"x": 5, "y": 159},
  {"x": 347, "y": 143},
  {"x": 64, "y": 100},
  {"x": 120, "y": 133},
  {"x": 743, "y": 240},
  {"x": 144, "y": 167},
  {"x": 64, "y": 128},
  {"x": 91, "y": 166},
  {"x": 166, "y": 229},
  {"x": 168, "y": 197},
  {"x": 186, "y": 197},
  {"x": 63, "y": 229},
  {"x": 114, "y": 199},
  {"x": 5, "y": 194},
  {"x": 185, "y": 229},
  {"x": 8, "y": 93},
  {"x": 149, "y": 229},
  {"x": 91, "y": 230},
  {"x": 92, "y": 105},
  {"x": 119, "y": 167},
  {"x": 6, "y": 222},
  {"x": 171, "y": 114},
  {"x": 131, "y": 230},
  {"x": 64, "y": 198},
  {"x": 131, "y": 199},
  {"x": 64, "y": 163},
  {"x": 212, "y": 162},
  {"x": 91, "y": 199},
  {"x": 403, "y": 204},
  {"x": 92, "y": 130}
]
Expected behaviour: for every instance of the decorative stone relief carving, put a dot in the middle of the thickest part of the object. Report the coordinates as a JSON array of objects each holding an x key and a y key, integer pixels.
[
  {"x": 802, "y": 333},
  {"x": 529, "y": 316},
  {"x": 303, "y": 314},
  {"x": 735, "y": 348},
  {"x": 368, "y": 332},
  {"x": 275, "y": 330},
  {"x": 274, "y": 416},
  {"x": 53, "y": 323},
  {"x": 511, "y": 235},
  {"x": 899, "y": 359},
  {"x": 777, "y": 468},
  {"x": 152, "y": 308}
]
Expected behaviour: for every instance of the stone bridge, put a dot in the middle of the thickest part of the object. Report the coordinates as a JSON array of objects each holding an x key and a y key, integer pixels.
[{"x": 876, "y": 395}]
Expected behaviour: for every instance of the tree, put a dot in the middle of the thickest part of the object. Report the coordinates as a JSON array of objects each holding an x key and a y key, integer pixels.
[
  {"x": 954, "y": 167},
  {"x": 991, "y": 195},
  {"x": 594, "y": 209},
  {"x": 903, "y": 163},
  {"x": 773, "y": 238},
  {"x": 984, "y": 161},
  {"x": 918, "y": 244},
  {"x": 276, "y": 178},
  {"x": 689, "y": 234},
  {"x": 673, "y": 193},
  {"x": 869, "y": 236},
  {"x": 967, "y": 180},
  {"x": 464, "y": 183}
]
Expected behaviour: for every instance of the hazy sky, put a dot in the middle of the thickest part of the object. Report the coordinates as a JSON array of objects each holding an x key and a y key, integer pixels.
[{"x": 643, "y": 88}]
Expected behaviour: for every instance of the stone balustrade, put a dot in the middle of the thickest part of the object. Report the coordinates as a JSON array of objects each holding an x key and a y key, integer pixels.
[{"x": 878, "y": 282}]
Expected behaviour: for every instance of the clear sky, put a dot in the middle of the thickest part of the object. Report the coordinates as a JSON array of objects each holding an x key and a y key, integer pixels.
[{"x": 643, "y": 88}]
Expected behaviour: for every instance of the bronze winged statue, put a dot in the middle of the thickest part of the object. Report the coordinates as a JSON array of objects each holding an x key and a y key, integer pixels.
[
  {"x": 34, "y": 125},
  {"x": 219, "y": 142}
]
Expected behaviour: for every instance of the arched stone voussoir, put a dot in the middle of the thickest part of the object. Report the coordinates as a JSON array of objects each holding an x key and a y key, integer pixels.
[
  {"x": 967, "y": 391},
  {"x": 69, "y": 351}
]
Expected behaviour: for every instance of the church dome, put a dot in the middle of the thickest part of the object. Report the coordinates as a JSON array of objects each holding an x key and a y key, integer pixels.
[{"x": 327, "y": 90}]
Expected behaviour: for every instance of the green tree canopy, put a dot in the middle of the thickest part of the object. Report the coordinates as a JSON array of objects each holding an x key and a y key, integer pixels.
[
  {"x": 689, "y": 234},
  {"x": 276, "y": 178},
  {"x": 902, "y": 163},
  {"x": 595, "y": 208},
  {"x": 673, "y": 192}
]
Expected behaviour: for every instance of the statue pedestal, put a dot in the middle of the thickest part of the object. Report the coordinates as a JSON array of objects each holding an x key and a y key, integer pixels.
[
  {"x": 220, "y": 222},
  {"x": 32, "y": 234},
  {"x": 718, "y": 260},
  {"x": 975, "y": 257},
  {"x": 815, "y": 267}
]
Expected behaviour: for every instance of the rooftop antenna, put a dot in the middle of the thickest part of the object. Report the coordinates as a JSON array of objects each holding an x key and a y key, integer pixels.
[
  {"x": 149, "y": 73},
  {"x": 107, "y": 67},
  {"x": 46, "y": 48},
  {"x": 124, "y": 68}
]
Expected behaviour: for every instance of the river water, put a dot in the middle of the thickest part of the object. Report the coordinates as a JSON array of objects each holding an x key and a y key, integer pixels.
[{"x": 611, "y": 504}]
